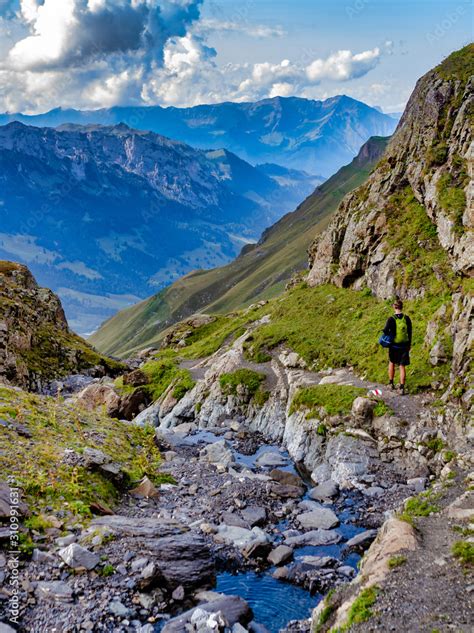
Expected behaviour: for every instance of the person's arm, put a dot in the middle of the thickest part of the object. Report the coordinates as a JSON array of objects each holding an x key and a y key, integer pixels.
[
  {"x": 409, "y": 330},
  {"x": 389, "y": 327}
]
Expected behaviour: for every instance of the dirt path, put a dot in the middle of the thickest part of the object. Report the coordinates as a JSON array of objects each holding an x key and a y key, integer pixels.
[{"x": 442, "y": 586}]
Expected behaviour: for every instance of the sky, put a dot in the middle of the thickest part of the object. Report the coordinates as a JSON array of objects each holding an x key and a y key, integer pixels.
[{"x": 98, "y": 53}]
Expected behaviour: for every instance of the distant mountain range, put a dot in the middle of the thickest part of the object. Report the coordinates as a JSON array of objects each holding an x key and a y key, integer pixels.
[
  {"x": 260, "y": 272},
  {"x": 107, "y": 215},
  {"x": 318, "y": 137}
]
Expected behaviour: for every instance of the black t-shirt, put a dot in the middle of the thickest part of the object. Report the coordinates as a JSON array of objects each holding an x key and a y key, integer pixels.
[{"x": 391, "y": 327}]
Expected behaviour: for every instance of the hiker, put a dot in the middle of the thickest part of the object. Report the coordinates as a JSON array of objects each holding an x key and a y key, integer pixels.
[{"x": 399, "y": 330}]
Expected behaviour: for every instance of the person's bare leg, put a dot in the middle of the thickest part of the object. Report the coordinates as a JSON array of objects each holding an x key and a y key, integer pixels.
[
  {"x": 403, "y": 374},
  {"x": 391, "y": 372}
]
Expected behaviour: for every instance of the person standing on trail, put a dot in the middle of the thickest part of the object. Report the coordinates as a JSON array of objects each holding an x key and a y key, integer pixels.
[{"x": 399, "y": 329}]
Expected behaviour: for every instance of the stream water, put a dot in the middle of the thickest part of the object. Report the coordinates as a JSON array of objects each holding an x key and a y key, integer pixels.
[{"x": 274, "y": 602}]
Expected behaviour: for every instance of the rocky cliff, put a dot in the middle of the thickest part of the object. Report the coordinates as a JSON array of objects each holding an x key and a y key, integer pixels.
[
  {"x": 35, "y": 341},
  {"x": 408, "y": 230}
]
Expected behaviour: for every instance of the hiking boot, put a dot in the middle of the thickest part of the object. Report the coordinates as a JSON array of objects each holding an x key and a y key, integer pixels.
[
  {"x": 391, "y": 384},
  {"x": 402, "y": 389}
]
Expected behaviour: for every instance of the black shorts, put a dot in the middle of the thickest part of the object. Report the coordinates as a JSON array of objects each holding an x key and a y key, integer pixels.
[{"x": 399, "y": 355}]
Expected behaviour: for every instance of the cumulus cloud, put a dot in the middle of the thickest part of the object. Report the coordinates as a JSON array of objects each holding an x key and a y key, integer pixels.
[
  {"x": 99, "y": 53},
  {"x": 68, "y": 33}
]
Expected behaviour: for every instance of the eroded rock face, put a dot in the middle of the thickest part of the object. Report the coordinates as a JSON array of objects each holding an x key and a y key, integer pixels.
[
  {"x": 430, "y": 151},
  {"x": 36, "y": 344}
]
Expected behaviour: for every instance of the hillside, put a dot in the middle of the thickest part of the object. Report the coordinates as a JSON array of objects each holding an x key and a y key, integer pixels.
[
  {"x": 261, "y": 271},
  {"x": 107, "y": 215},
  {"x": 318, "y": 137},
  {"x": 36, "y": 344}
]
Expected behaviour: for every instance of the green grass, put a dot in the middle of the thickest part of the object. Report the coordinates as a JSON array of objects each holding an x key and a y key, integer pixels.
[
  {"x": 381, "y": 408},
  {"x": 259, "y": 273},
  {"x": 458, "y": 65},
  {"x": 361, "y": 609},
  {"x": 436, "y": 444},
  {"x": 37, "y": 464},
  {"x": 326, "y": 613},
  {"x": 420, "y": 506},
  {"x": 247, "y": 378},
  {"x": 464, "y": 552},
  {"x": 338, "y": 327},
  {"x": 396, "y": 561},
  {"x": 335, "y": 399}
]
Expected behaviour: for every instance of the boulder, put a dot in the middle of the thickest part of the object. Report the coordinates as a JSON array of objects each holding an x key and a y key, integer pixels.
[
  {"x": 134, "y": 403},
  {"x": 149, "y": 416},
  {"x": 184, "y": 559},
  {"x": 240, "y": 537},
  {"x": 233, "y": 608},
  {"x": 146, "y": 489},
  {"x": 361, "y": 542},
  {"x": 77, "y": 557},
  {"x": 280, "y": 555},
  {"x": 217, "y": 453},
  {"x": 286, "y": 492},
  {"x": 53, "y": 590},
  {"x": 233, "y": 519},
  {"x": 139, "y": 526},
  {"x": 100, "y": 394},
  {"x": 321, "y": 518},
  {"x": 286, "y": 478},
  {"x": 270, "y": 459},
  {"x": 363, "y": 409},
  {"x": 315, "y": 538},
  {"x": 135, "y": 378},
  {"x": 326, "y": 490}
]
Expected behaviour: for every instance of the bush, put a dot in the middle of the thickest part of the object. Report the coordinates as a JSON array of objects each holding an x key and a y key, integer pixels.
[
  {"x": 335, "y": 399},
  {"x": 241, "y": 377}
]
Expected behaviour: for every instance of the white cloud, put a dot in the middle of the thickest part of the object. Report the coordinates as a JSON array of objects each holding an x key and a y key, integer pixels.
[{"x": 99, "y": 53}]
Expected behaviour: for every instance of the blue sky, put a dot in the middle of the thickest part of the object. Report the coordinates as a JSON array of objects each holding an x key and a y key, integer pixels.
[{"x": 99, "y": 53}]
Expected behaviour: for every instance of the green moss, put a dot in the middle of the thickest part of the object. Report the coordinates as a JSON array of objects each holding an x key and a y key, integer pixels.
[
  {"x": 437, "y": 154},
  {"x": 241, "y": 377},
  {"x": 326, "y": 613},
  {"x": 381, "y": 408},
  {"x": 436, "y": 444},
  {"x": 464, "y": 552},
  {"x": 184, "y": 384},
  {"x": 107, "y": 570},
  {"x": 335, "y": 399},
  {"x": 452, "y": 197},
  {"x": 322, "y": 430},
  {"x": 48, "y": 482},
  {"x": 419, "y": 506},
  {"x": 261, "y": 397},
  {"x": 361, "y": 609},
  {"x": 396, "y": 561}
]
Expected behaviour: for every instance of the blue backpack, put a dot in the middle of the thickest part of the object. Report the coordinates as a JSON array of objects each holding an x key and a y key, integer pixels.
[{"x": 386, "y": 340}]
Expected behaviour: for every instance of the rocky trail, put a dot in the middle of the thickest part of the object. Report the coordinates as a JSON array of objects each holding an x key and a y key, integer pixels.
[{"x": 239, "y": 533}]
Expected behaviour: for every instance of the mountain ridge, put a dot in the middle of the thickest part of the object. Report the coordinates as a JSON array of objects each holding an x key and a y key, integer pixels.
[{"x": 283, "y": 130}]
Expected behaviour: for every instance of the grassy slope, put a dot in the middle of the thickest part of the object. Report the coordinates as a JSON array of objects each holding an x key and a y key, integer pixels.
[{"x": 261, "y": 272}]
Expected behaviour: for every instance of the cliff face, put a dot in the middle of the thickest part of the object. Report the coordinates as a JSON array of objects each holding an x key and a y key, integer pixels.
[
  {"x": 35, "y": 341},
  {"x": 408, "y": 229}
]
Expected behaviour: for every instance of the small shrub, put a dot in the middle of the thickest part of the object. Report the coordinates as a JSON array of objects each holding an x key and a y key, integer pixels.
[
  {"x": 261, "y": 397},
  {"x": 464, "y": 552},
  {"x": 396, "y": 561},
  {"x": 360, "y": 610},
  {"x": 335, "y": 399},
  {"x": 435, "y": 444},
  {"x": 322, "y": 430},
  {"x": 107, "y": 570},
  {"x": 241, "y": 377},
  {"x": 382, "y": 409}
]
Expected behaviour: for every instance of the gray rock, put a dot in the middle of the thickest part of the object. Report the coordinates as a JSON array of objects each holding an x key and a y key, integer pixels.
[
  {"x": 363, "y": 408},
  {"x": 231, "y": 518},
  {"x": 315, "y": 537},
  {"x": 139, "y": 526},
  {"x": 373, "y": 491},
  {"x": 64, "y": 541},
  {"x": 138, "y": 564},
  {"x": 326, "y": 490},
  {"x": 254, "y": 515},
  {"x": 118, "y": 609},
  {"x": 280, "y": 555},
  {"x": 6, "y": 628},
  {"x": 77, "y": 556},
  {"x": 217, "y": 453},
  {"x": 361, "y": 541},
  {"x": 417, "y": 484},
  {"x": 240, "y": 537},
  {"x": 39, "y": 556},
  {"x": 270, "y": 459},
  {"x": 322, "y": 518},
  {"x": 54, "y": 590},
  {"x": 233, "y": 608},
  {"x": 347, "y": 571},
  {"x": 185, "y": 560}
]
